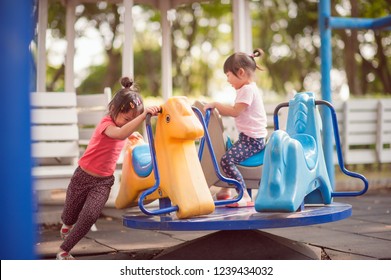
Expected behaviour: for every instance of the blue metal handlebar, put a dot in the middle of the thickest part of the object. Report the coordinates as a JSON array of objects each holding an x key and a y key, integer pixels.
[
  {"x": 338, "y": 148},
  {"x": 275, "y": 114},
  {"x": 239, "y": 186},
  {"x": 340, "y": 157},
  {"x": 202, "y": 142},
  {"x": 149, "y": 191},
  {"x": 156, "y": 174}
]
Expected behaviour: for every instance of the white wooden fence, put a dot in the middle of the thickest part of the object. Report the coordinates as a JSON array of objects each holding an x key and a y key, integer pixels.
[
  {"x": 62, "y": 124},
  {"x": 364, "y": 129}
]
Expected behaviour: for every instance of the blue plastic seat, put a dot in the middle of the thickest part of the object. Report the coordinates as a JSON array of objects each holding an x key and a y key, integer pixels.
[
  {"x": 253, "y": 161},
  {"x": 141, "y": 160}
]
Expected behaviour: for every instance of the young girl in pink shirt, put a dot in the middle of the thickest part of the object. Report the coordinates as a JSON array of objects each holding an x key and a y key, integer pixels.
[
  {"x": 92, "y": 180},
  {"x": 250, "y": 118}
]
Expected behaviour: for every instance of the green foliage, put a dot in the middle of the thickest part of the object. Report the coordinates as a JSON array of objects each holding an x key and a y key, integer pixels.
[
  {"x": 199, "y": 47},
  {"x": 55, "y": 78},
  {"x": 284, "y": 29},
  {"x": 287, "y": 30},
  {"x": 56, "y": 18},
  {"x": 147, "y": 71},
  {"x": 93, "y": 83},
  {"x": 293, "y": 24},
  {"x": 375, "y": 9}
]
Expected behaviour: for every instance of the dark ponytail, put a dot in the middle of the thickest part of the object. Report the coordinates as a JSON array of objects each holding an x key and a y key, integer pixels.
[
  {"x": 243, "y": 60},
  {"x": 257, "y": 53}
]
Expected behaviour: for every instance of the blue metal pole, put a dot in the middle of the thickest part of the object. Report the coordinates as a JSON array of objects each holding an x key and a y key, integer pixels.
[
  {"x": 384, "y": 22},
  {"x": 359, "y": 23},
  {"x": 17, "y": 234},
  {"x": 326, "y": 60}
]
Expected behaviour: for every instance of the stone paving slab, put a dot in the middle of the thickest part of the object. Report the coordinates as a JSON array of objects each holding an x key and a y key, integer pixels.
[{"x": 364, "y": 235}]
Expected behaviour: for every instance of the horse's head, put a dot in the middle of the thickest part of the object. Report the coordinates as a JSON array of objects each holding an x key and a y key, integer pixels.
[{"x": 178, "y": 121}]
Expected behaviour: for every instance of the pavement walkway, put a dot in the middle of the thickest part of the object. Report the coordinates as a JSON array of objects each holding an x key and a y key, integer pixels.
[{"x": 366, "y": 235}]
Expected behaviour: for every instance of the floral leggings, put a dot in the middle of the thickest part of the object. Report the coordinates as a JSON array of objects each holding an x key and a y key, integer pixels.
[
  {"x": 242, "y": 149},
  {"x": 85, "y": 199}
]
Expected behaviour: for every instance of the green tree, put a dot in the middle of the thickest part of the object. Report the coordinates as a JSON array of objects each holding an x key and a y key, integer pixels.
[
  {"x": 286, "y": 29},
  {"x": 196, "y": 39}
]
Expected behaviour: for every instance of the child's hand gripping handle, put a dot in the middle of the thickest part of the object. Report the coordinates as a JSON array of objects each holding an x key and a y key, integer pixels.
[{"x": 155, "y": 172}]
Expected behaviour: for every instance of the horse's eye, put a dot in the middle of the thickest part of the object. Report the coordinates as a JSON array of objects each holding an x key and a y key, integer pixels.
[{"x": 168, "y": 118}]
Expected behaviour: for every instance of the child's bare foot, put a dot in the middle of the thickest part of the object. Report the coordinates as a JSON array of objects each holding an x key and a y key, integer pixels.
[
  {"x": 245, "y": 201},
  {"x": 223, "y": 194},
  {"x": 240, "y": 204}
]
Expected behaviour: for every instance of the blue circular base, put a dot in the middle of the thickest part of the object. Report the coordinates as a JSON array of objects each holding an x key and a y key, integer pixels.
[{"x": 224, "y": 218}]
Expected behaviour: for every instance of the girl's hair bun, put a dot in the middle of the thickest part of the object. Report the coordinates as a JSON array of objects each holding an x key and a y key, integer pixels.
[
  {"x": 126, "y": 82},
  {"x": 258, "y": 53}
]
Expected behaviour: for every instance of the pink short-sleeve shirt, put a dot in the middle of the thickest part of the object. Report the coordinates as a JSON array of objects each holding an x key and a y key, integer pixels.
[
  {"x": 252, "y": 121},
  {"x": 102, "y": 152}
]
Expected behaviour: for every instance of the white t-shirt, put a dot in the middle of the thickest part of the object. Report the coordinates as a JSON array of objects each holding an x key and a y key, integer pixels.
[{"x": 252, "y": 121}]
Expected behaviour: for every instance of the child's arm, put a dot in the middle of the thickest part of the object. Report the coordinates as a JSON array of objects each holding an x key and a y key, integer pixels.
[
  {"x": 135, "y": 135},
  {"x": 227, "y": 110},
  {"x": 127, "y": 129}
]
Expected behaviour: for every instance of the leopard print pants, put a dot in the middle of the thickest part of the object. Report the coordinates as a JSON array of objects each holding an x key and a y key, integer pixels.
[
  {"x": 86, "y": 196},
  {"x": 242, "y": 149}
]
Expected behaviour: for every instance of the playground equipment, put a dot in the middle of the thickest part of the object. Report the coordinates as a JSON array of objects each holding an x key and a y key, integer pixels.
[
  {"x": 179, "y": 175},
  {"x": 137, "y": 174},
  {"x": 295, "y": 172},
  {"x": 327, "y": 23},
  {"x": 302, "y": 143},
  {"x": 294, "y": 167},
  {"x": 172, "y": 169},
  {"x": 251, "y": 169},
  {"x": 24, "y": 232}
]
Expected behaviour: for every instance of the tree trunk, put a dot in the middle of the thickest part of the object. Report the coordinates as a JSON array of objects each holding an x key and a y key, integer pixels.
[
  {"x": 113, "y": 73},
  {"x": 153, "y": 76},
  {"x": 59, "y": 74},
  {"x": 382, "y": 69},
  {"x": 350, "y": 50}
]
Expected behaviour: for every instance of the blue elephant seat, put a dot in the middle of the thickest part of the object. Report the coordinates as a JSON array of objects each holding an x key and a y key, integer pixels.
[
  {"x": 294, "y": 169},
  {"x": 309, "y": 149}
]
